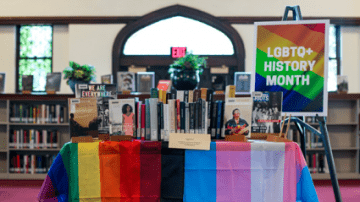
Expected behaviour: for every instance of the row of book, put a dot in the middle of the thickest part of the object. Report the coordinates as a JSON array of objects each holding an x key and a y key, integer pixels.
[
  {"x": 96, "y": 108},
  {"x": 40, "y": 114},
  {"x": 31, "y": 163},
  {"x": 33, "y": 139},
  {"x": 312, "y": 140},
  {"x": 317, "y": 163}
]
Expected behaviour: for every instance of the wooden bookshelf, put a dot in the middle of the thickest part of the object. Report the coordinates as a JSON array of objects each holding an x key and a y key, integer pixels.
[{"x": 343, "y": 127}]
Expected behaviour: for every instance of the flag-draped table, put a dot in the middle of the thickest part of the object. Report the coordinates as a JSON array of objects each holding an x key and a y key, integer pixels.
[{"x": 144, "y": 171}]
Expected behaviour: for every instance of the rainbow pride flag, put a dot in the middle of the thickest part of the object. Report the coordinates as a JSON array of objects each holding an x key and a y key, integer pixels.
[
  {"x": 249, "y": 172},
  {"x": 291, "y": 58},
  {"x": 105, "y": 171}
]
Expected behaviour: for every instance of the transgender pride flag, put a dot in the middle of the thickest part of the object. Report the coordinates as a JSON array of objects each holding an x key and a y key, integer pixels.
[{"x": 249, "y": 172}]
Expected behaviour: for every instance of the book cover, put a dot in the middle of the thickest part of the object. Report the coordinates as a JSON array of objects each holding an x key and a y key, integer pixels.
[
  {"x": 242, "y": 81},
  {"x": 122, "y": 116},
  {"x": 107, "y": 79},
  {"x": 237, "y": 116},
  {"x": 164, "y": 85},
  {"x": 342, "y": 84},
  {"x": 145, "y": 81},
  {"x": 126, "y": 81},
  {"x": 53, "y": 81},
  {"x": 27, "y": 82},
  {"x": 2, "y": 82},
  {"x": 103, "y": 93},
  {"x": 266, "y": 115},
  {"x": 83, "y": 117}
]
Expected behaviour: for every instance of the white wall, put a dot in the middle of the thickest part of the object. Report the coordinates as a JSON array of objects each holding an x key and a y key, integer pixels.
[
  {"x": 7, "y": 56},
  {"x": 92, "y": 44},
  {"x": 141, "y": 7},
  {"x": 350, "y": 56}
]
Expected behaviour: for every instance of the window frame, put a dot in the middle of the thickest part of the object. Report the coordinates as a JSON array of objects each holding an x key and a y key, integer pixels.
[{"x": 18, "y": 58}]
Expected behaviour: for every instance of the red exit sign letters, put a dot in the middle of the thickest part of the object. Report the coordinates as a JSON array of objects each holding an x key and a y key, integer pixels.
[{"x": 178, "y": 52}]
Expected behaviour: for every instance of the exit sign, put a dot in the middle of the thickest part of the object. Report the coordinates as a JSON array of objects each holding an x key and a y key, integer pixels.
[{"x": 178, "y": 52}]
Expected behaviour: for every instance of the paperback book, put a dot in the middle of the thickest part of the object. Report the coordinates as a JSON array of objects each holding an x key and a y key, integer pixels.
[
  {"x": 83, "y": 116},
  {"x": 27, "y": 82},
  {"x": 122, "y": 116},
  {"x": 53, "y": 81},
  {"x": 237, "y": 116},
  {"x": 266, "y": 114},
  {"x": 103, "y": 93}
]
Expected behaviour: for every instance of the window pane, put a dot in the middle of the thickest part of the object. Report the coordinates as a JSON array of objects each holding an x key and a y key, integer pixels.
[
  {"x": 35, "y": 41},
  {"x": 332, "y": 42},
  {"x": 38, "y": 68},
  {"x": 198, "y": 37},
  {"x": 332, "y": 75}
]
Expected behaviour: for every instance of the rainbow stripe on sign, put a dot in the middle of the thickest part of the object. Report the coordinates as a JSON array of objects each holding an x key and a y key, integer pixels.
[{"x": 291, "y": 58}]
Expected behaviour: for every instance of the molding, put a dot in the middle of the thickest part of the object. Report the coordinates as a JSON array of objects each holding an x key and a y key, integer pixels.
[{"x": 350, "y": 21}]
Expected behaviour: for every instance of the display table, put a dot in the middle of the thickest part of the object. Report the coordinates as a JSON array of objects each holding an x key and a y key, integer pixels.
[{"x": 149, "y": 171}]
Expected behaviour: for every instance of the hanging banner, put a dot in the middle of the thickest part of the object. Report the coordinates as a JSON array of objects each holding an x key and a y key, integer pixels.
[{"x": 292, "y": 57}]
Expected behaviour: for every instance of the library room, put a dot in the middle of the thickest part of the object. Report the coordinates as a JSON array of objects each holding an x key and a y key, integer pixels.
[{"x": 170, "y": 101}]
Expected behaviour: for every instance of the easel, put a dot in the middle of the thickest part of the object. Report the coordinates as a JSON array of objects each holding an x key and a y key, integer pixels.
[{"x": 302, "y": 126}]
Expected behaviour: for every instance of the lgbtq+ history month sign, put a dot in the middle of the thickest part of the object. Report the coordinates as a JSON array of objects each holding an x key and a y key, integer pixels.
[{"x": 292, "y": 57}]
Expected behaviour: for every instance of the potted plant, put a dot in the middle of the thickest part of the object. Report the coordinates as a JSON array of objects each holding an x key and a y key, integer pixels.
[
  {"x": 185, "y": 71},
  {"x": 76, "y": 73}
]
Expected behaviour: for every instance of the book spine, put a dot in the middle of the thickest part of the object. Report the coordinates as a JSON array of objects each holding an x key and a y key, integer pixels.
[
  {"x": 187, "y": 118},
  {"x": 178, "y": 122},
  {"x": 147, "y": 125},
  {"x": 203, "y": 93},
  {"x": 21, "y": 138},
  {"x": 153, "y": 119},
  {"x": 21, "y": 110},
  {"x": 191, "y": 96},
  {"x": 55, "y": 139},
  {"x": 197, "y": 95},
  {"x": 209, "y": 110},
  {"x": 44, "y": 136},
  {"x": 200, "y": 101},
  {"x": 138, "y": 129},
  {"x": 192, "y": 112},
  {"x": 159, "y": 120},
  {"x": 166, "y": 122},
  {"x": 218, "y": 118},
  {"x": 182, "y": 117},
  {"x": 205, "y": 127},
  {"x": 203, "y": 117},
  {"x": 186, "y": 96},
  {"x": 17, "y": 139},
  {"x": 43, "y": 113},
  {"x": 58, "y": 114},
  {"x": 222, "y": 125},
  {"x": 196, "y": 120},
  {"x": 143, "y": 115},
  {"x": 172, "y": 115},
  {"x": 180, "y": 95}
]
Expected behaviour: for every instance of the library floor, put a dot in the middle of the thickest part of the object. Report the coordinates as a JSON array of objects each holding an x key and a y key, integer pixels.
[{"x": 26, "y": 191}]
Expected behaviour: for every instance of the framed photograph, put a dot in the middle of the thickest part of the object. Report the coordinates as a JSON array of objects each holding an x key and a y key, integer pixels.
[
  {"x": 53, "y": 81},
  {"x": 145, "y": 81},
  {"x": 242, "y": 81},
  {"x": 107, "y": 79},
  {"x": 126, "y": 81}
]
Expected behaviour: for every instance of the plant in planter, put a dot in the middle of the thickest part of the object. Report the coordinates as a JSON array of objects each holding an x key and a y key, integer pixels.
[
  {"x": 76, "y": 73},
  {"x": 185, "y": 71}
]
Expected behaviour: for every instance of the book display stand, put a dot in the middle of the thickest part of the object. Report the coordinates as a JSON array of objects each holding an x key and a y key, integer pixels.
[{"x": 302, "y": 126}]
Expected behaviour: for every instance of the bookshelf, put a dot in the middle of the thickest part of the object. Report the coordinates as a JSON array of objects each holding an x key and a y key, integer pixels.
[{"x": 342, "y": 123}]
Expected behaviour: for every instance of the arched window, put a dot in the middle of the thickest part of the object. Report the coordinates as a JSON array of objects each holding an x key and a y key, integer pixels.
[
  {"x": 199, "y": 38},
  {"x": 146, "y": 42}
]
